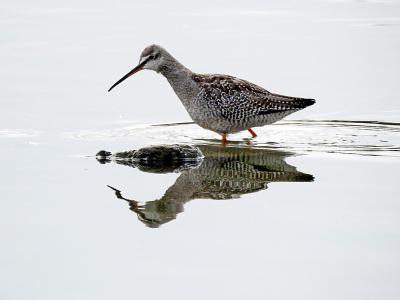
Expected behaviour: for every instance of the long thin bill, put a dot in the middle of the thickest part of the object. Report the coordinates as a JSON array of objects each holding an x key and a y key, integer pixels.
[{"x": 134, "y": 70}]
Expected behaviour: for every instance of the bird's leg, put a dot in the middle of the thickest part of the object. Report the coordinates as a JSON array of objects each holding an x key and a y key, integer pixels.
[
  {"x": 224, "y": 141},
  {"x": 252, "y": 132}
]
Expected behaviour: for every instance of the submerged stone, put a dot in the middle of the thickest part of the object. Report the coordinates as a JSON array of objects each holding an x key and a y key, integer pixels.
[
  {"x": 124, "y": 155},
  {"x": 103, "y": 156},
  {"x": 168, "y": 153},
  {"x": 156, "y": 159},
  {"x": 103, "y": 153}
]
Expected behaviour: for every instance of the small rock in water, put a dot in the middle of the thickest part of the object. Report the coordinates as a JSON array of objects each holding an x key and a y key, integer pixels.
[
  {"x": 167, "y": 153},
  {"x": 124, "y": 154},
  {"x": 103, "y": 156},
  {"x": 103, "y": 153},
  {"x": 156, "y": 159}
]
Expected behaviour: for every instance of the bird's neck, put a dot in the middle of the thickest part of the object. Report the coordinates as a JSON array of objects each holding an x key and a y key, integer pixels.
[{"x": 180, "y": 79}]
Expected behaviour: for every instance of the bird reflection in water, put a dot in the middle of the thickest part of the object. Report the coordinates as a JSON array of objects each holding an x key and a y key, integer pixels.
[{"x": 224, "y": 173}]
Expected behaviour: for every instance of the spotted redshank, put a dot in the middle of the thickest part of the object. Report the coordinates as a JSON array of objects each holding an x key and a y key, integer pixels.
[{"x": 221, "y": 103}]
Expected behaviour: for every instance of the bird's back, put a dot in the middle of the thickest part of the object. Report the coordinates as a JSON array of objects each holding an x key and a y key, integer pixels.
[{"x": 242, "y": 104}]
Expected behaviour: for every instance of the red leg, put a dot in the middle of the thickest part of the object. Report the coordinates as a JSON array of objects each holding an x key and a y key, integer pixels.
[
  {"x": 224, "y": 139},
  {"x": 252, "y": 132}
]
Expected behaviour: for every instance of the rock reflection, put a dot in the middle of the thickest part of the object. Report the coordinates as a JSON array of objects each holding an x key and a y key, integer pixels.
[{"x": 224, "y": 173}]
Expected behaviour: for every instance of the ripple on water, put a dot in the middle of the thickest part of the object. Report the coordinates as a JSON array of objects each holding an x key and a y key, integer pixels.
[
  {"x": 18, "y": 133},
  {"x": 368, "y": 138}
]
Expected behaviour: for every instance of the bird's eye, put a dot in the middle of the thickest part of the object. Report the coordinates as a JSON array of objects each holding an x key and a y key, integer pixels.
[{"x": 151, "y": 57}]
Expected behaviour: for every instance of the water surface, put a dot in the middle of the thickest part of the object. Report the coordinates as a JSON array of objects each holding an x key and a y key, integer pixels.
[{"x": 307, "y": 210}]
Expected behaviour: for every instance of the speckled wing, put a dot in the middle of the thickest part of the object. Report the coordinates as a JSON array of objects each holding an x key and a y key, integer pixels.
[{"x": 237, "y": 99}]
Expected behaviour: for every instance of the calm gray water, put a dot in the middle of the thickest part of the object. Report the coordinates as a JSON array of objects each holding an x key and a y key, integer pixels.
[{"x": 309, "y": 209}]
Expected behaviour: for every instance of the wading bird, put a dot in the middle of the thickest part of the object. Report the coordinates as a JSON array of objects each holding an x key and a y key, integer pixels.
[{"x": 221, "y": 103}]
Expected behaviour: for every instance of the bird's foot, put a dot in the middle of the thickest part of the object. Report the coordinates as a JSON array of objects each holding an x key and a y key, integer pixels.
[{"x": 252, "y": 132}]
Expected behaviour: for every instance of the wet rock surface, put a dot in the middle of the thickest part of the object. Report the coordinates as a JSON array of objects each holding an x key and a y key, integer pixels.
[
  {"x": 103, "y": 156},
  {"x": 156, "y": 159},
  {"x": 163, "y": 153}
]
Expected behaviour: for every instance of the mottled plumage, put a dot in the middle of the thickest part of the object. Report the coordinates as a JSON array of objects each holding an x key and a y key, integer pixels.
[{"x": 221, "y": 103}]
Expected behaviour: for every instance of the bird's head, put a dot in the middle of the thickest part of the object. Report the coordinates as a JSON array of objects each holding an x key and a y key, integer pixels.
[{"x": 152, "y": 58}]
